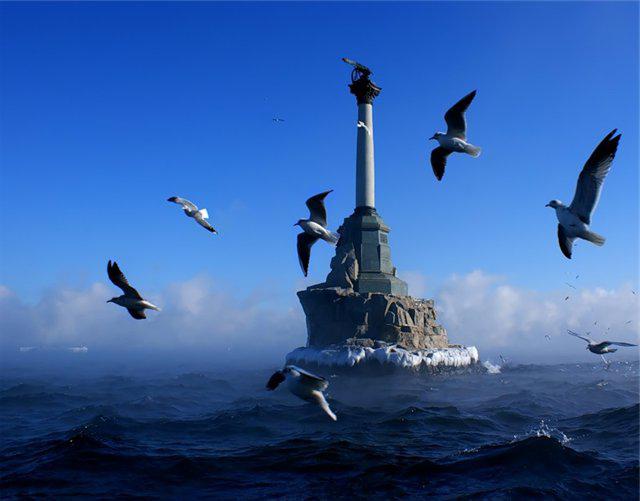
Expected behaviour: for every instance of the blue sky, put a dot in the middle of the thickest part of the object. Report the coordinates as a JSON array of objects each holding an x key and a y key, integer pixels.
[{"x": 108, "y": 109}]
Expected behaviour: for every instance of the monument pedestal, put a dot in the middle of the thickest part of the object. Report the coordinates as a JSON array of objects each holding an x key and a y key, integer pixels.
[{"x": 337, "y": 316}]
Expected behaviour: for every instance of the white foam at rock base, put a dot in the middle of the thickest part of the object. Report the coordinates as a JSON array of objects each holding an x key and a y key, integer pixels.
[{"x": 348, "y": 356}]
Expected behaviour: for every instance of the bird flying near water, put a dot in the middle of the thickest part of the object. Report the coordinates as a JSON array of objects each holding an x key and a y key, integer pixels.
[
  {"x": 455, "y": 140},
  {"x": 574, "y": 220},
  {"x": 600, "y": 347},
  {"x": 191, "y": 210},
  {"x": 313, "y": 228},
  {"x": 131, "y": 299},
  {"x": 303, "y": 385}
]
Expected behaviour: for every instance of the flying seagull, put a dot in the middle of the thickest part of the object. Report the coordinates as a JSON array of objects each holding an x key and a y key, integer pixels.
[
  {"x": 362, "y": 125},
  {"x": 574, "y": 221},
  {"x": 131, "y": 299},
  {"x": 278, "y": 120},
  {"x": 303, "y": 385},
  {"x": 455, "y": 140},
  {"x": 191, "y": 210},
  {"x": 313, "y": 228},
  {"x": 600, "y": 347},
  {"x": 547, "y": 337}
]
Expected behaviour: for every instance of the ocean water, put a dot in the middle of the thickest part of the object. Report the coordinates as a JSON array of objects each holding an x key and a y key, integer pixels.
[{"x": 563, "y": 431}]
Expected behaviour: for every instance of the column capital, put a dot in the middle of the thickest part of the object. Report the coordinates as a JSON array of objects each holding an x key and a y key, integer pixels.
[{"x": 364, "y": 89}]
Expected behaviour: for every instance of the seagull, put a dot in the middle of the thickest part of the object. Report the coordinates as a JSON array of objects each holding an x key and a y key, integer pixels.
[
  {"x": 600, "y": 347},
  {"x": 314, "y": 228},
  {"x": 191, "y": 210},
  {"x": 278, "y": 120},
  {"x": 362, "y": 125},
  {"x": 303, "y": 385},
  {"x": 455, "y": 140},
  {"x": 131, "y": 299},
  {"x": 548, "y": 337},
  {"x": 574, "y": 221},
  {"x": 567, "y": 283}
]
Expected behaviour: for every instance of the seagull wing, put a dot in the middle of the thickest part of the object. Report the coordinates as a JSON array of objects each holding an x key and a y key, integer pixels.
[
  {"x": 137, "y": 314},
  {"x": 275, "y": 380},
  {"x": 316, "y": 382},
  {"x": 186, "y": 204},
  {"x": 305, "y": 241},
  {"x": 439, "y": 161},
  {"x": 575, "y": 334},
  {"x": 592, "y": 176},
  {"x": 200, "y": 219},
  {"x": 621, "y": 343},
  {"x": 317, "y": 211},
  {"x": 119, "y": 280},
  {"x": 566, "y": 243},
  {"x": 456, "y": 123}
]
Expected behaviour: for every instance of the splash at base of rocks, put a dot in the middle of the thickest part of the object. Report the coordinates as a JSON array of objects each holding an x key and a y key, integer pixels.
[{"x": 385, "y": 356}]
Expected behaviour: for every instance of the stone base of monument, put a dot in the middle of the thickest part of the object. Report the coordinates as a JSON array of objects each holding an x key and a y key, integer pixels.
[{"x": 348, "y": 329}]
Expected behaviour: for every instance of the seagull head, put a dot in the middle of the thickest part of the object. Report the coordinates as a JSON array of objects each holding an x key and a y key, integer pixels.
[
  {"x": 554, "y": 204},
  {"x": 436, "y": 135}
]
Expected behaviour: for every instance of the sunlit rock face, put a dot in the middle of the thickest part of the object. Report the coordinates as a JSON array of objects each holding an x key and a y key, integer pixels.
[{"x": 337, "y": 316}]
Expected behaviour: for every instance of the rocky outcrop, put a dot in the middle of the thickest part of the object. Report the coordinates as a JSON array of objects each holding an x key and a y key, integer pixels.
[{"x": 337, "y": 316}]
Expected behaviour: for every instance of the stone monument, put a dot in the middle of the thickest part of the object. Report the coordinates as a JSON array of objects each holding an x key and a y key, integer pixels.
[{"x": 363, "y": 304}]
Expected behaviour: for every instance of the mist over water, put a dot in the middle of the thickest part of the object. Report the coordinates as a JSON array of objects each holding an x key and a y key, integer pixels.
[{"x": 530, "y": 430}]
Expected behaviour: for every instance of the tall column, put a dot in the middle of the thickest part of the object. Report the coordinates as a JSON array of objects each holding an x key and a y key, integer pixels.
[{"x": 365, "y": 91}]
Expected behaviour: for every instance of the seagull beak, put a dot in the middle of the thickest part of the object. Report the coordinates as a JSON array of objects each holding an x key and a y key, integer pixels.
[
  {"x": 432, "y": 137},
  {"x": 109, "y": 301},
  {"x": 548, "y": 205},
  {"x": 296, "y": 224}
]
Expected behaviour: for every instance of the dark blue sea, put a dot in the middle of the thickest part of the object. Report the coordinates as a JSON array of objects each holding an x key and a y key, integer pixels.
[{"x": 563, "y": 431}]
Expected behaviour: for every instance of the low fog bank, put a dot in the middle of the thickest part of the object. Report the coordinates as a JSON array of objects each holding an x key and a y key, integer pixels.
[
  {"x": 203, "y": 325},
  {"x": 136, "y": 362}
]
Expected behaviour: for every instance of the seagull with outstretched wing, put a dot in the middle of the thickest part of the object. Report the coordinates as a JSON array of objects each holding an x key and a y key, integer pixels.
[
  {"x": 600, "y": 347},
  {"x": 131, "y": 298},
  {"x": 455, "y": 140},
  {"x": 574, "y": 221},
  {"x": 303, "y": 385},
  {"x": 191, "y": 210},
  {"x": 362, "y": 125},
  {"x": 314, "y": 229}
]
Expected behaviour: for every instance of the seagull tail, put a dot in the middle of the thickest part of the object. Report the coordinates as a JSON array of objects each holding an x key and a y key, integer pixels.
[
  {"x": 472, "y": 150},
  {"x": 594, "y": 238}
]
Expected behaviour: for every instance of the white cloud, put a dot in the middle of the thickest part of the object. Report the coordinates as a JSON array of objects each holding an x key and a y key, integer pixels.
[
  {"x": 477, "y": 309},
  {"x": 196, "y": 314},
  {"x": 484, "y": 310}
]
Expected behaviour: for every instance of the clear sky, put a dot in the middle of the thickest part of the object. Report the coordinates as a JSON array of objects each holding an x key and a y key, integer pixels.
[{"x": 107, "y": 109}]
